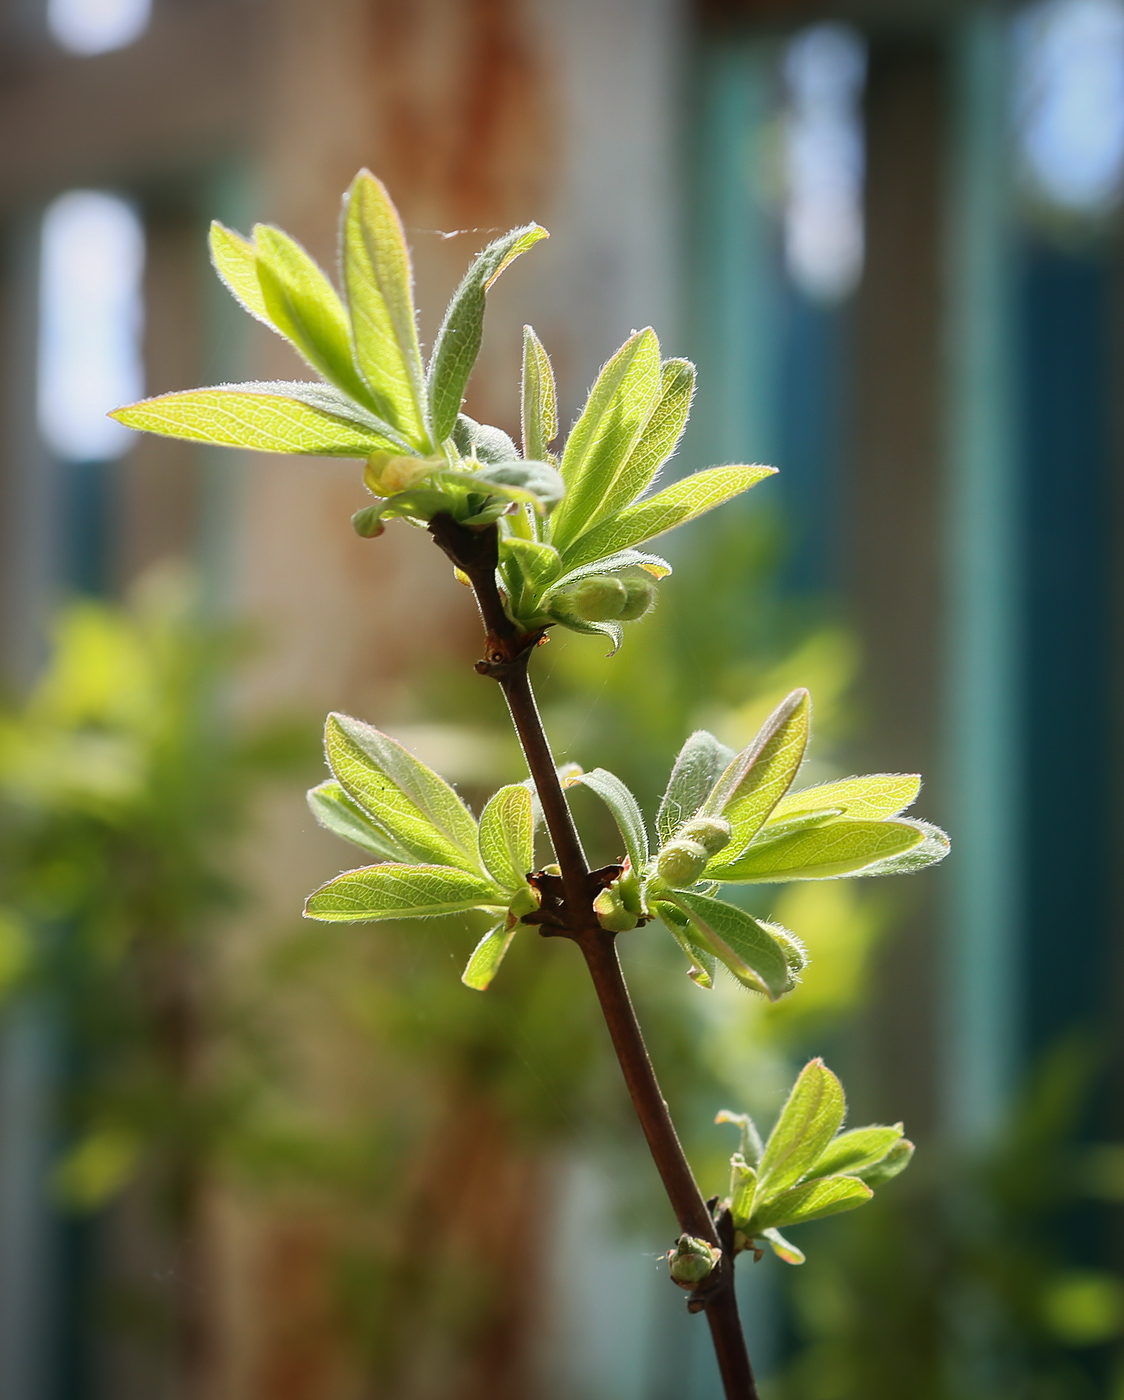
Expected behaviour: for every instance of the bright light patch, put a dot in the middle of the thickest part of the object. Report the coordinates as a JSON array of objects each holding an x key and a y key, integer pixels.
[
  {"x": 824, "y": 71},
  {"x": 90, "y": 323},
  {"x": 1069, "y": 101},
  {"x": 96, "y": 26}
]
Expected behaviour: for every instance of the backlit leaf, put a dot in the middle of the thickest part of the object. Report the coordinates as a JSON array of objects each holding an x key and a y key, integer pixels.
[
  {"x": 235, "y": 260},
  {"x": 378, "y": 279},
  {"x": 487, "y": 956},
  {"x": 751, "y": 1145},
  {"x": 829, "y": 852},
  {"x": 507, "y": 836},
  {"x": 538, "y": 483},
  {"x": 895, "y": 1161},
  {"x": 759, "y": 776},
  {"x": 811, "y": 1117},
  {"x": 701, "y": 759},
  {"x": 933, "y": 847},
  {"x": 305, "y": 307},
  {"x": 419, "y": 809},
  {"x": 872, "y": 797},
  {"x": 458, "y": 341},
  {"x": 861, "y": 1147},
  {"x": 703, "y": 962},
  {"x": 782, "y": 1248},
  {"x": 336, "y": 812},
  {"x": 744, "y": 944},
  {"x": 625, "y": 809},
  {"x": 673, "y": 506},
  {"x": 539, "y": 398},
  {"x": 399, "y": 892},
  {"x": 657, "y": 442},
  {"x": 311, "y": 420},
  {"x": 810, "y": 1201},
  {"x": 619, "y": 405}
]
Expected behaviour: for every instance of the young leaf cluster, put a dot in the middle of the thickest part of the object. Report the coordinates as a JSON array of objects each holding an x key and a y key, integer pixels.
[
  {"x": 570, "y": 524},
  {"x": 808, "y": 1168},
  {"x": 730, "y": 818}
]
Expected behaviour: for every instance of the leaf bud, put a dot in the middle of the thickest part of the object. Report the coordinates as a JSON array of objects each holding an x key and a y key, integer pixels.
[
  {"x": 682, "y": 861},
  {"x": 368, "y": 522},
  {"x": 611, "y": 911},
  {"x": 596, "y": 598},
  {"x": 640, "y": 595},
  {"x": 386, "y": 475},
  {"x": 692, "y": 1261},
  {"x": 526, "y": 901},
  {"x": 712, "y": 833}
]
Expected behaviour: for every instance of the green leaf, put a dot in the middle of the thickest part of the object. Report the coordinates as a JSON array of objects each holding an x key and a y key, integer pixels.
[
  {"x": 701, "y": 759},
  {"x": 894, "y": 1162},
  {"x": 829, "y": 852},
  {"x": 703, "y": 962},
  {"x": 377, "y": 275},
  {"x": 235, "y": 260},
  {"x": 539, "y": 564},
  {"x": 744, "y": 944},
  {"x": 742, "y": 1190},
  {"x": 625, "y": 809},
  {"x": 873, "y": 797},
  {"x": 310, "y": 420},
  {"x": 657, "y": 442},
  {"x": 811, "y": 1117},
  {"x": 675, "y": 505},
  {"x": 619, "y": 405},
  {"x": 933, "y": 847},
  {"x": 419, "y": 809},
  {"x": 539, "y": 398},
  {"x": 537, "y": 483},
  {"x": 853, "y": 1151},
  {"x": 487, "y": 956},
  {"x": 781, "y": 1247},
  {"x": 507, "y": 836},
  {"x": 758, "y": 777},
  {"x": 458, "y": 341},
  {"x": 811, "y": 1201},
  {"x": 306, "y": 309},
  {"x": 336, "y": 812},
  {"x": 399, "y": 892},
  {"x": 751, "y": 1144}
]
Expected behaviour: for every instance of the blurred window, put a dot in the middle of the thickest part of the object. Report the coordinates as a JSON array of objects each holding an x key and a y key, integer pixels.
[
  {"x": 1069, "y": 101},
  {"x": 824, "y": 73},
  {"x": 90, "y": 323},
  {"x": 96, "y": 26}
]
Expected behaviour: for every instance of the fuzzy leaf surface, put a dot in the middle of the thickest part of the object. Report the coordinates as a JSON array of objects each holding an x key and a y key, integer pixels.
[
  {"x": 673, "y": 506},
  {"x": 759, "y": 776},
  {"x": 812, "y": 1115},
  {"x": 616, "y": 412},
  {"x": 873, "y": 797},
  {"x": 782, "y": 1248},
  {"x": 700, "y": 762},
  {"x": 704, "y": 964},
  {"x": 487, "y": 956},
  {"x": 657, "y": 442},
  {"x": 932, "y": 848},
  {"x": 507, "y": 836},
  {"x": 810, "y": 1201},
  {"x": 458, "y": 341},
  {"x": 539, "y": 400},
  {"x": 856, "y": 1150},
  {"x": 536, "y": 482},
  {"x": 419, "y": 808},
  {"x": 235, "y": 260},
  {"x": 306, "y": 309},
  {"x": 398, "y": 892},
  {"x": 744, "y": 944},
  {"x": 625, "y": 809},
  {"x": 310, "y": 420},
  {"x": 378, "y": 279},
  {"x": 829, "y": 852},
  {"x": 337, "y": 813}
]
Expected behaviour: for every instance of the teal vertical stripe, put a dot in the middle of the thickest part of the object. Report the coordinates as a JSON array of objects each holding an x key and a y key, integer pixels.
[{"x": 983, "y": 571}]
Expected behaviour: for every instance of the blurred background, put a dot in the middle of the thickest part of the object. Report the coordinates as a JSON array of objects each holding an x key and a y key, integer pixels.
[{"x": 242, "y": 1157}]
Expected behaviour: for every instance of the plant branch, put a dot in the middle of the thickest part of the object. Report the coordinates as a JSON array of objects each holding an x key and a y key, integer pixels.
[{"x": 507, "y": 651}]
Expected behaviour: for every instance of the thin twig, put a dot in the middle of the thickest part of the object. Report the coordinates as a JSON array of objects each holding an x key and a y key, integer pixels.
[{"x": 507, "y": 651}]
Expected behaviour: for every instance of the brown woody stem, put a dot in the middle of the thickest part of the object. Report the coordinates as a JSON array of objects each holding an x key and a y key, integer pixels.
[{"x": 507, "y": 651}]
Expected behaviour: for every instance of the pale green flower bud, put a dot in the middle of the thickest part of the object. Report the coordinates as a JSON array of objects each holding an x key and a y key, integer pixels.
[
  {"x": 386, "y": 475},
  {"x": 368, "y": 522},
  {"x": 597, "y": 598},
  {"x": 692, "y": 1261},
  {"x": 681, "y": 861},
  {"x": 712, "y": 833},
  {"x": 612, "y": 913},
  {"x": 526, "y": 901}
]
